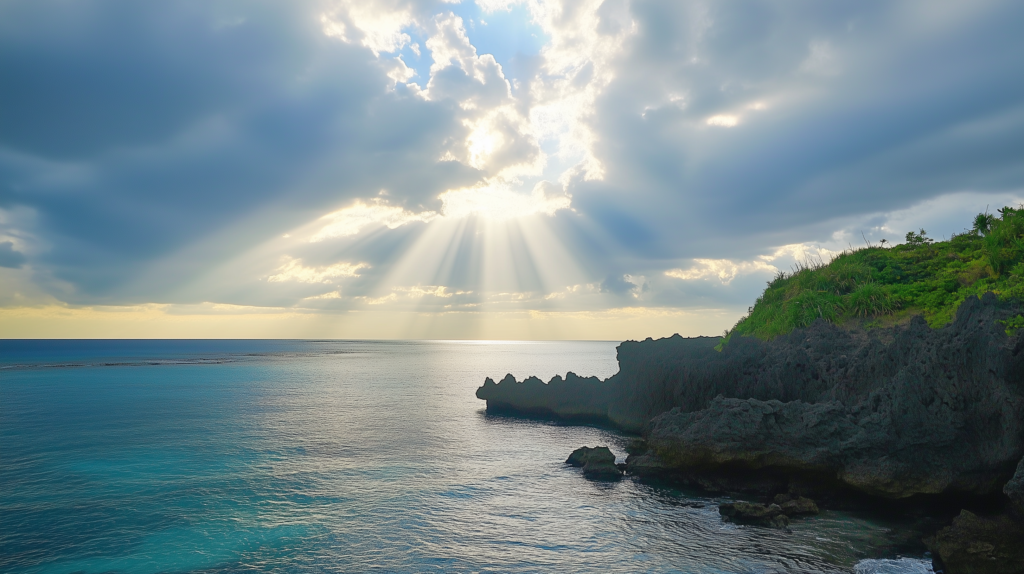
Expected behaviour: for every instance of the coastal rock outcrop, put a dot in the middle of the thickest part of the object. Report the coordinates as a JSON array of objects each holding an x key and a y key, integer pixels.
[
  {"x": 891, "y": 412},
  {"x": 571, "y": 398}
]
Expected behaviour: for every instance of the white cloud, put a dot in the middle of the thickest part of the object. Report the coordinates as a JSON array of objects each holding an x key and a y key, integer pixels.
[
  {"x": 353, "y": 219},
  {"x": 499, "y": 138},
  {"x": 294, "y": 270},
  {"x": 725, "y": 270},
  {"x": 330, "y": 295},
  {"x": 495, "y": 5},
  {"x": 374, "y": 25},
  {"x": 414, "y": 292}
]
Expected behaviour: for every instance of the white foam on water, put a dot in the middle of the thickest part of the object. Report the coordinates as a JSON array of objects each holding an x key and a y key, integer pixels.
[{"x": 894, "y": 566}]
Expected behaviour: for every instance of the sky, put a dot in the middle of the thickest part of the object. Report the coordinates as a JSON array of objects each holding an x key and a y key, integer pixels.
[{"x": 607, "y": 169}]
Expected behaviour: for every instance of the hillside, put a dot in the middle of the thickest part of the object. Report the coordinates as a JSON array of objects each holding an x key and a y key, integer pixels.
[{"x": 885, "y": 285}]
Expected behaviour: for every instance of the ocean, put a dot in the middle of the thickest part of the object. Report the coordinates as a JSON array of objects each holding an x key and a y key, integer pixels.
[{"x": 347, "y": 456}]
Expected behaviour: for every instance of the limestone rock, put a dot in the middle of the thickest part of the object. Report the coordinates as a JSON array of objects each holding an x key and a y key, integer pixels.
[
  {"x": 980, "y": 545},
  {"x": 646, "y": 465},
  {"x": 598, "y": 463},
  {"x": 753, "y": 513},
  {"x": 796, "y": 505},
  {"x": 585, "y": 454}
]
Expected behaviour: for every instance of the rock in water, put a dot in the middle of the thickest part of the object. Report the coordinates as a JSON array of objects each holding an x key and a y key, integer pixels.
[
  {"x": 598, "y": 462},
  {"x": 978, "y": 545},
  {"x": 796, "y": 505},
  {"x": 753, "y": 513},
  {"x": 601, "y": 471}
]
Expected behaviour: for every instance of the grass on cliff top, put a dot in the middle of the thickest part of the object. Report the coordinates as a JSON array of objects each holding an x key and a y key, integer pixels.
[{"x": 878, "y": 286}]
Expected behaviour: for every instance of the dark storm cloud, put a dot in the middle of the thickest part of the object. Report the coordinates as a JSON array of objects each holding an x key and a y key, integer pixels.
[{"x": 867, "y": 107}]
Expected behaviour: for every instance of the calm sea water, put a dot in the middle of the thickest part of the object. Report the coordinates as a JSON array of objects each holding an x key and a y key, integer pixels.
[{"x": 345, "y": 456}]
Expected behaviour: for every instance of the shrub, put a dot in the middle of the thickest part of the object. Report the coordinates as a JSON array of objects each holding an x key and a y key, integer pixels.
[
  {"x": 921, "y": 276},
  {"x": 872, "y": 299}
]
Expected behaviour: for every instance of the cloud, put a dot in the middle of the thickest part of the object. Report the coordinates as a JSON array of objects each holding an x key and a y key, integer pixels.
[
  {"x": 723, "y": 121},
  {"x": 351, "y": 220},
  {"x": 376, "y": 26},
  {"x": 722, "y": 269},
  {"x": 839, "y": 110},
  {"x": 293, "y": 270},
  {"x": 138, "y": 133},
  {"x": 329, "y": 295},
  {"x": 654, "y": 153},
  {"x": 9, "y": 257}
]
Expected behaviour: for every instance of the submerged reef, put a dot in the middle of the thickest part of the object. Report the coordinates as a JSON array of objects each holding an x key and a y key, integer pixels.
[{"x": 904, "y": 411}]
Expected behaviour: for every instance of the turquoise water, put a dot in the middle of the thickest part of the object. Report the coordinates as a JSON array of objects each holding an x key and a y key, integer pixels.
[{"x": 341, "y": 456}]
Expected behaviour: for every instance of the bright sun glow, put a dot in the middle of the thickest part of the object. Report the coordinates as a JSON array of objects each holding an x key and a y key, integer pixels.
[
  {"x": 723, "y": 121},
  {"x": 499, "y": 202}
]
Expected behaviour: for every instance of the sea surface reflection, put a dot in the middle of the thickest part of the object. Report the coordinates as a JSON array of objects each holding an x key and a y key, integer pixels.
[{"x": 345, "y": 456}]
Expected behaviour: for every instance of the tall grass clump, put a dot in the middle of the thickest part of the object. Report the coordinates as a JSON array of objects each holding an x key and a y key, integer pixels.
[{"x": 919, "y": 277}]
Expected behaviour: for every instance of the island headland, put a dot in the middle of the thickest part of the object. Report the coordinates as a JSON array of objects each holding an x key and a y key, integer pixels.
[{"x": 886, "y": 374}]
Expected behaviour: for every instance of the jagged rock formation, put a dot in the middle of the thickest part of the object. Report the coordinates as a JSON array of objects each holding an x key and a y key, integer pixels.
[
  {"x": 572, "y": 398},
  {"x": 891, "y": 412},
  {"x": 644, "y": 386}
]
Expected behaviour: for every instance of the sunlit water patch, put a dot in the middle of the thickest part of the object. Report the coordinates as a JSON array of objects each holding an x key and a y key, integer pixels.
[{"x": 345, "y": 457}]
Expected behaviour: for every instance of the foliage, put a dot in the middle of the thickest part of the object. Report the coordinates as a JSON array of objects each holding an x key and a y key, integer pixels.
[
  {"x": 1013, "y": 324},
  {"x": 982, "y": 223},
  {"x": 921, "y": 276}
]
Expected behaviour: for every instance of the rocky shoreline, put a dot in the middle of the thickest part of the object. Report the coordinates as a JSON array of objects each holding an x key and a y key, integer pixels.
[{"x": 843, "y": 416}]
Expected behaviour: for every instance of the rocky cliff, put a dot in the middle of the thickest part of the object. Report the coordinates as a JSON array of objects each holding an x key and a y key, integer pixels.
[{"x": 890, "y": 412}]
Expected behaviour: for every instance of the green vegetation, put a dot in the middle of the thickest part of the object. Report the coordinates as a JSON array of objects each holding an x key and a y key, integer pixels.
[{"x": 882, "y": 285}]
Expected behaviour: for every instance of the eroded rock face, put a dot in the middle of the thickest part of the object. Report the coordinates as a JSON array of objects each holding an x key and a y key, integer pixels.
[
  {"x": 871, "y": 449},
  {"x": 1014, "y": 489},
  {"x": 980, "y": 545}
]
